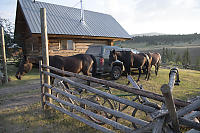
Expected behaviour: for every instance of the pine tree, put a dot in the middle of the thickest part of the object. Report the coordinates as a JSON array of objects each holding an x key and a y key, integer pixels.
[
  {"x": 163, "y": 56},
  {"x": 166, "y": 55},
  {"x": 197, "y": 64},
  {"x": 178, "y": 60},
  {"x": 186, "y": 58}
]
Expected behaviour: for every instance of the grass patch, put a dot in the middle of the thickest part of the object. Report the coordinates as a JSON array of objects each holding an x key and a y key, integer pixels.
[
  {"x": 189, "y": 85},
  {"x": 33, "y": 119},
  {"x": 31, "y": 77}
]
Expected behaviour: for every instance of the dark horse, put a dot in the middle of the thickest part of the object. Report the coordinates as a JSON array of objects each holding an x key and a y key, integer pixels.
[
  {"x": 156, "y": 60},
  {"x": 131, "y": 60},
  {"x": 76, "y": 64}
]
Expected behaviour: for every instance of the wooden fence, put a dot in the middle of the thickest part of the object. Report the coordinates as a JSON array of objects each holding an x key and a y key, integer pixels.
[{"x": 96, "y": 106}]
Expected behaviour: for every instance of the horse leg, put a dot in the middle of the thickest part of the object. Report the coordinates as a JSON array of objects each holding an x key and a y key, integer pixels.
[
  {"x": 86, "y": 71},
  {"x": 146, "y": 74},
  {"x": 158, "y": 67},
  {"x": 155, "y": 69},
  {"x": 128, "y": 72},
  {"x": 144, "y": 70},
  {"x": 139, "y": 74},
  {"x": 87, "y": 74},
  {"x": 149, "y": 72}
]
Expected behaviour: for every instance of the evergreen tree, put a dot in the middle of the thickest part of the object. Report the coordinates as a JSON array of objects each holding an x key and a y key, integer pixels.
[
  {"x": 197, "y": 64},
  {"x": 167, "y": 55},
  {"x": 178, "y": 59},
  {"x": 163, "y": 56},
  {"x": 173, "y": 55},
  {"x": 186, "y": 58}
]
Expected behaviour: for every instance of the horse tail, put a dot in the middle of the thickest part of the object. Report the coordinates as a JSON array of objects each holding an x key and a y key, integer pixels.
[{"x": 94, "y": 66}]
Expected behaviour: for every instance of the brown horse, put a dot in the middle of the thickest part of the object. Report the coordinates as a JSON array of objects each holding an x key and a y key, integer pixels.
[
  {"x": 24, "y": 67},
  {"x": 156, "y": 60},
  {"x": 76, "y": 64},
  {"x": 131, "y": 60}
]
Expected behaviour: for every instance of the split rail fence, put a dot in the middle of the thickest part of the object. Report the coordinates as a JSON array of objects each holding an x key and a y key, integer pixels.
[{"x": 97, "y": 107}]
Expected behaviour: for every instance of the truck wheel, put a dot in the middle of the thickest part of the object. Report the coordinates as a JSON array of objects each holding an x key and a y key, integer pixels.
[{"x": 116, "y": 72}]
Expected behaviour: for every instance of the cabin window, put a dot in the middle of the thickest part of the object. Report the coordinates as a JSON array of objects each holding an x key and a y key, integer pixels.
[{"x": 67, "y": 45}]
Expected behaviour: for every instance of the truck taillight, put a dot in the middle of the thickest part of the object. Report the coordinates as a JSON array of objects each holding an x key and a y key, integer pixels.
[{"x": 101, "y": 61}]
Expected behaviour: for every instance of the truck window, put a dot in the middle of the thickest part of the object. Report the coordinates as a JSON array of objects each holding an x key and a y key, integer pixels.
[{"x": 94, "y": 50}]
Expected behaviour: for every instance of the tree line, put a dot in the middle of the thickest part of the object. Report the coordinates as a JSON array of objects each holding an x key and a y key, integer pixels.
[
  {"x": 169, "y": 56},
  {"x": 165, "y": 39}
]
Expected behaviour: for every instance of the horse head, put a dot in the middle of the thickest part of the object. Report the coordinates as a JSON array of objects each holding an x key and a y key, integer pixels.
[
  {"x": 112, "y": 56},
  {"x": 24, "y": 67}
]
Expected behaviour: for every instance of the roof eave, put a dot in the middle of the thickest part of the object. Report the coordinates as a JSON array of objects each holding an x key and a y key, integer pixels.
[{"x": 83, "y": 37}]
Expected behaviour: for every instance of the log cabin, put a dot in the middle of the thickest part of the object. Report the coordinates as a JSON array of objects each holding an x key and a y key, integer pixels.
[{"x": 68, "y": 32}]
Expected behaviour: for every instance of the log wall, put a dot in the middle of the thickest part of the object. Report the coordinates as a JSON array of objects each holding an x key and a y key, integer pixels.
[{"x": 33, "y": 46}]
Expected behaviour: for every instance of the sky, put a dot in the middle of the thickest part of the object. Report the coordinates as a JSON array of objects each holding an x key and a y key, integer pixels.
[{"x": 135, "y": 16}]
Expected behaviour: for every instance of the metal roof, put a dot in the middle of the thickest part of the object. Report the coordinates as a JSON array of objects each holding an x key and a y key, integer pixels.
[{"x": 62, "y": 20}]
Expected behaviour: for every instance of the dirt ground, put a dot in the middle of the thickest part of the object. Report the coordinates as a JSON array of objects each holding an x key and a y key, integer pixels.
[{"x": 22, "y": 95}]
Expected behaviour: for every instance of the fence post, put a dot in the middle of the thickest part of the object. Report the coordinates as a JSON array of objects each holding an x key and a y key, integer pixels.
[
  {"x": 158, "y": 127},
  {"x": 4, "y": 56},
  {"x": 45, "y": 51},
  {"x": 167, "y": 93},
  {"x": 42, "y": 84},
  {"x": 170, "y": 106}
]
